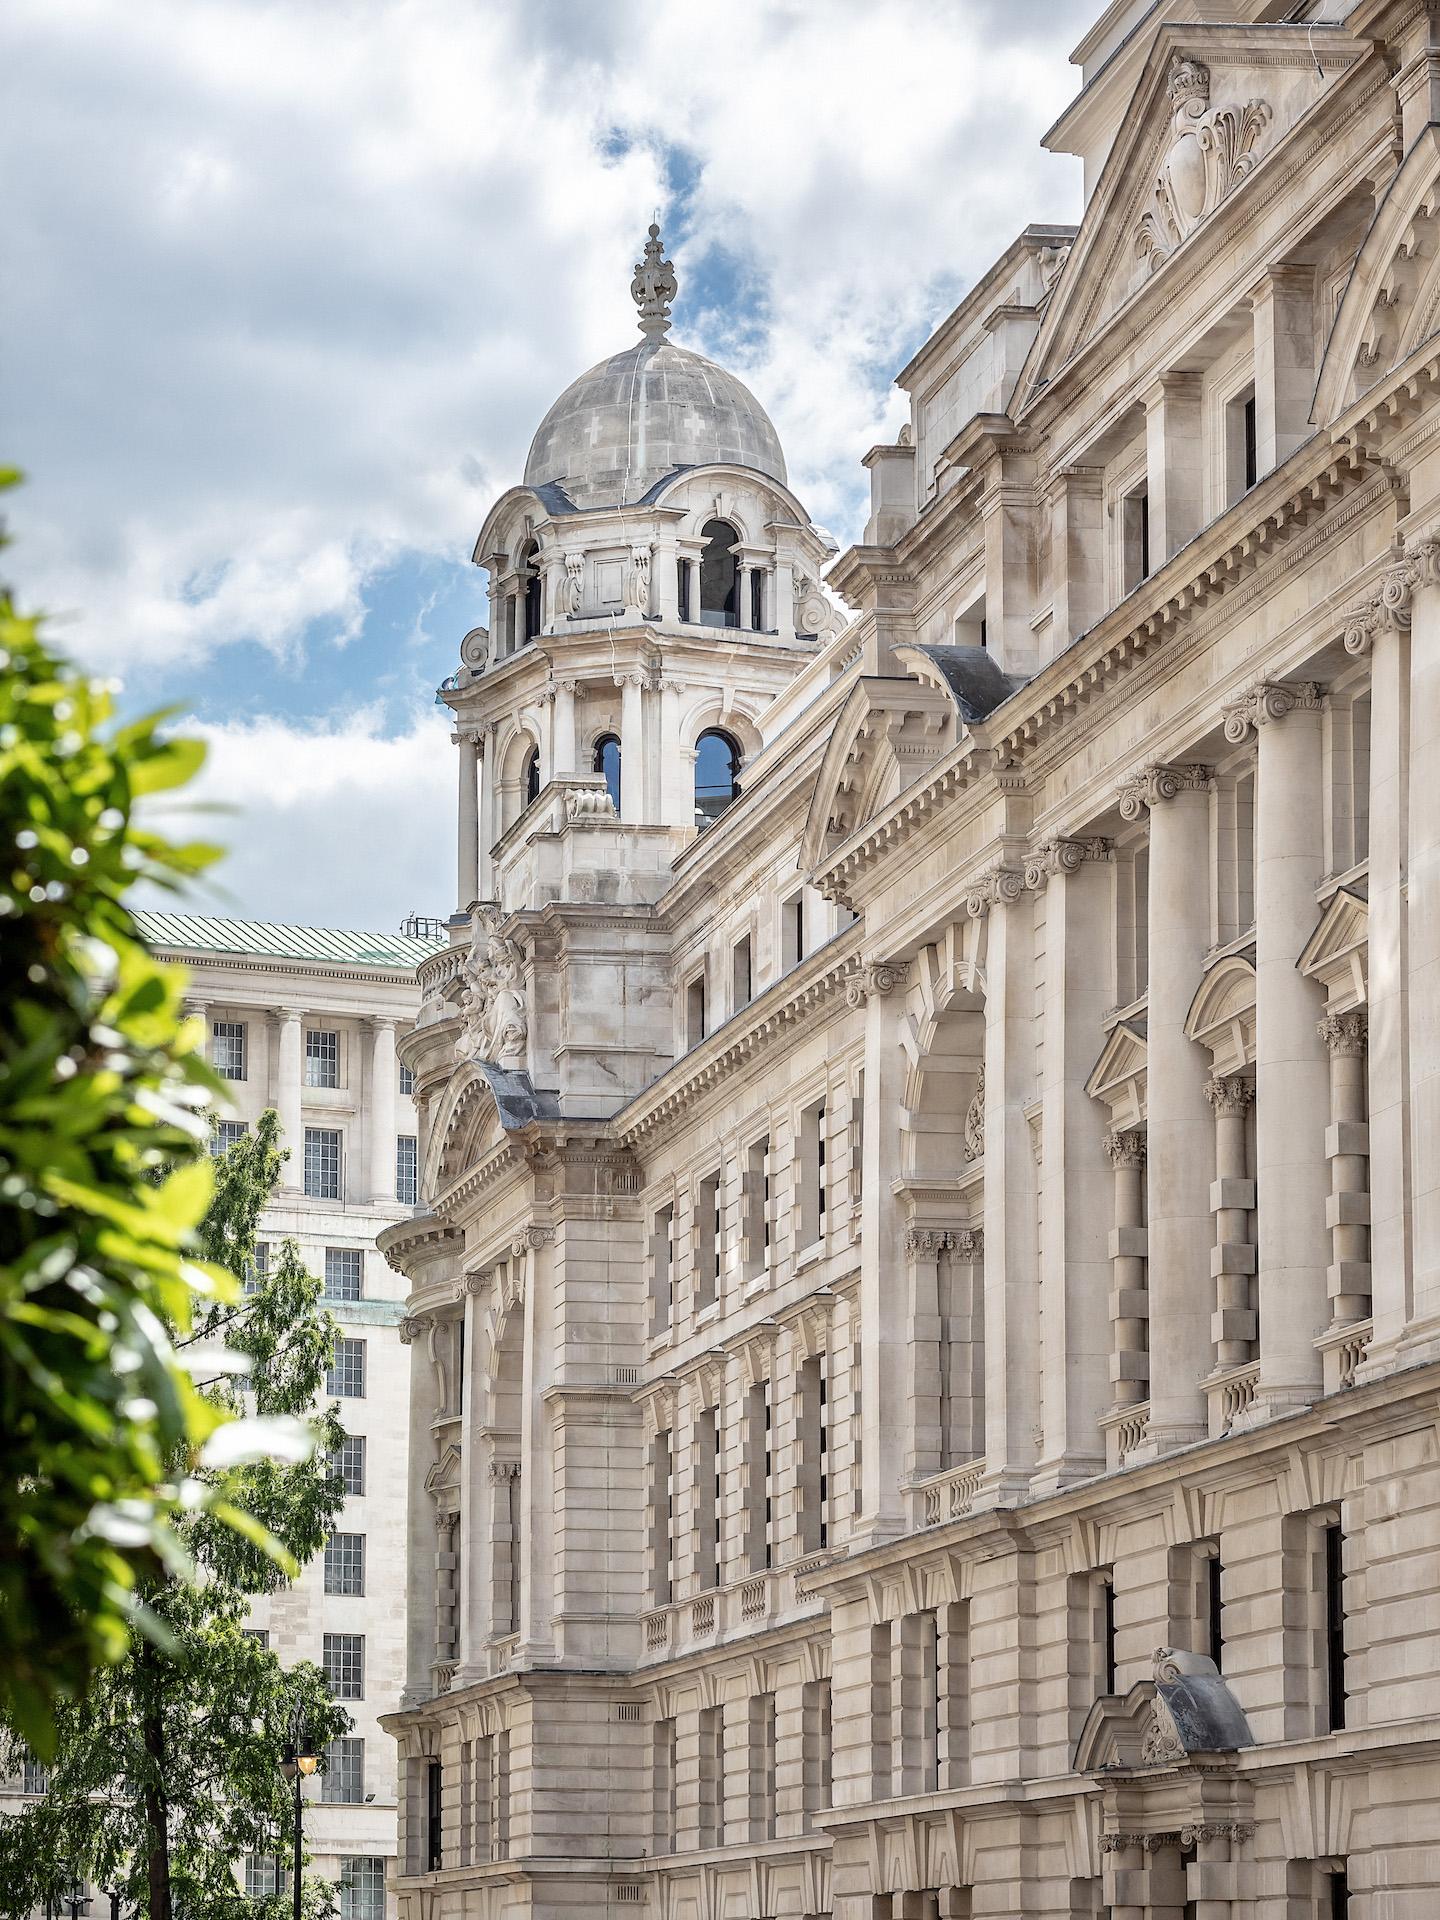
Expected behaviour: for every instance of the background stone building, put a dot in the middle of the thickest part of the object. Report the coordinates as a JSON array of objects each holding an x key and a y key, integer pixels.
[{"x": 930, "y": 1192}]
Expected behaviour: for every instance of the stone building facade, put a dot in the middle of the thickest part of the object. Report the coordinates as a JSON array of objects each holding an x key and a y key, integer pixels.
[
  {"x": 925, "y": 1311},
  {"x": 306, "y": 1020}
]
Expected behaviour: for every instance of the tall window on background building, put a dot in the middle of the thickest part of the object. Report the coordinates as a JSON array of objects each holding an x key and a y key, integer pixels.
[{"x": 607, "y": 761}]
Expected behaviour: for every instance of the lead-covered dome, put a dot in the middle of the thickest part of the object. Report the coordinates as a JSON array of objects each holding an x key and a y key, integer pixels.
[{"x": 643, "y": 413}]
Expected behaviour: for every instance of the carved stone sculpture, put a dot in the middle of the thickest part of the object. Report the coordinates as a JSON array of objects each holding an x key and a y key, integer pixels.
[
  {"x": 637, "y": 579},
  {"x": 1211, "y": 151},
  {"x": 975, "y": 1120},
  {"x": 494, "y": 1023}
]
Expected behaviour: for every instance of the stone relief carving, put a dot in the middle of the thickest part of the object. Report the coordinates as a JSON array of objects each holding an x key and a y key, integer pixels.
[
  {"x": 1387, "y": 609},
  {"x": 1265, "y": 701},
  {"x": 1151, "y": 785},
  {"x": 1001, "y": 886},
  {"x": 1211, "y": 151},
  {"x": 589, "y": 803},
  {"x": 637, "y": 579},
  {"x": 1345, "y": 1033},
  {"x": 1062, "y": 856},
  {"x": 570, "y": 587},
  {"x": 975, "y": 1119},
  {"x": 813, "y": 612},
  {"x": 475, "y": 649},
  {"x": 494, "y": 1024}
]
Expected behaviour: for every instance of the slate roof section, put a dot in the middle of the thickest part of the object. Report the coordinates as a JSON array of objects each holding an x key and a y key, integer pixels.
[
  {"x": 977, "y": 683},
  {"x": 273, "y": 940}
]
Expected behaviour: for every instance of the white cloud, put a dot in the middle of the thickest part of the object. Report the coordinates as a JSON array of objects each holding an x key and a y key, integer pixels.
[
  {"x": 288, "y": 288},
  {"x": 339, "y": 826}
]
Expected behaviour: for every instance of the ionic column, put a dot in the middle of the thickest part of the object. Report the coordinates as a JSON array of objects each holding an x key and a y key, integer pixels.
[
  {"x": 1178, "y": 1123},
  {"x": 1422, "y": 985},
  {"x": 287, "y": 1097},
  {"x": 1292, "y": 1078},
  {"x": 1233, "y": 1329},
  {"x": 1129, "y": 1303},
  {"x": 881, "y": 1335},
  {"x": 1380, "y": 628},
  {"x": 382, "y": 1110},
  {"x": 420, "y": 1522},
  {"x": 467, "y": 874},
  {"x": 1011, "y": 1332},
  {"x": 632, "y": 747},
  {"x": 476, "y": 1594},
  {"x": 1071, "y": 879},
  {"x": 1175, "y": 464},
  {"x": 1347, "y": 1148},
  {"x": 742, "y": 590},
  {"x": 563, "y": 760}
]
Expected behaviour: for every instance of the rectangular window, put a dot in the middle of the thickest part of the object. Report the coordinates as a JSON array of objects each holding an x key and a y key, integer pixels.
[
  {"x": 434, "y": 1816},
  {"x": 262, "y": 1634},
  {"x": 227, "y": 1049},
  {"x": 500, "y": 1794},
  {"x": 407, "y": 1081},
  {"x": 1135, "y": 532},
  {"x": 322, "y": 1163},
  {"x": 812, "y": 1419},
  {"x": 344, "y": 1662},
  {"x": 1335, "y": 1626},
  {"x": 322, "y": 1059},
  {"x": 953, "y": 1653},
  {"x": 927, "y": 1684},
  {"x": 741, "y": 975},
  {"x": 712, "y": 1777},
  {"x": 682, "y": 588},
  {"x": 343, "y": 1782},
  {"x": 707, "y": 1499},
  {"x": 761, "y": 1783},
  {"x": 709, "y": 1242},
  {"x": 362, "y": 1888},
  {"x": 348, "y": 1462},
  {"x": 810, "y": 1170},
  {"x": 345, "y": 1563},
  {"x": 857, "y": 1141},
  {"x": 263, "y": 1875},
  {"x": 344, "y": 1269},
  {"x": 407, "y": 1169},
  {"x": 662, "y": 1519},
  {"x": 662, "y": 1269},
  {"x": 227, "y": 1134},
  {"x": 664, "y": 1786},
  {"x": 1215, "y": 1610},
  {"x": 695, "y": 1011},
  {"x": 755, "y": 1252},
  {"x": 345, "y": 1377},
  {"x": 257, "y": 1267},
  {"x": 34, "y": 1776},
  {"x": 882, "y": 1710},
  {"x": 816, "y": 1747},
  {"x": 1108, "y": 1635},
  {"x": 793, "y": 931}
]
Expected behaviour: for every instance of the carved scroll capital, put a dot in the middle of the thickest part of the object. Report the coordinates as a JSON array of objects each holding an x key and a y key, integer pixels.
[{"x": 1149, "y": 787}]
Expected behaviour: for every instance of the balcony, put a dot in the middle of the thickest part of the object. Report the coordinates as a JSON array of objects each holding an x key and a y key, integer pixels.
[{"x": 948, "y": 1496}]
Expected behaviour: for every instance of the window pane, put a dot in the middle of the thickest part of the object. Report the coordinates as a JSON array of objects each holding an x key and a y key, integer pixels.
[
  {"x": 344, "y": 1273},
  {"x": 227, "y": 1048},
  {"x": 345, "y": 1563},
  {"x": 348, "y": 1461},
  {"x": 344, "y": 1661},
  {"x": 407, "y": 1169},
  {"x": 345, "y": 1377},
  {"x": 362, "y": 1889},
  {"x": 322, "y": 1059},
  {"x": 343, "y": 1781},
  {"x": 407, "y": 1080},
  {"x": 258, "y": 1268},
  {"x": 607, "y": 761},
  {"x": 263, "y": 1875},
  {"x": 322, "y": 1163},
  {"x": 228, "y": 1133}
]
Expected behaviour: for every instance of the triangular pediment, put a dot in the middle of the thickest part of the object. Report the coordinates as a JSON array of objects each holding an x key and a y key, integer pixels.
[
  {"x": 1338, "y": 951},
  {"x": 1391, "y": 302},
  {"x": 1119, "y": 1076},
  {"x": 887, "y": 734},
  {"x": 1211, "y": 105}
]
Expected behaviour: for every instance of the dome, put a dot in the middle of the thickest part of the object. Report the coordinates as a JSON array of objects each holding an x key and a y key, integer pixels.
[{"x": 639, "y": 415}]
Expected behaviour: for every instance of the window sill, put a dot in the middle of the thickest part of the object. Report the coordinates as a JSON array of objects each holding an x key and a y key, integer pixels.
[
  {"x": 809, "y": 1255},
  {"x": 708, "y": 1313}
]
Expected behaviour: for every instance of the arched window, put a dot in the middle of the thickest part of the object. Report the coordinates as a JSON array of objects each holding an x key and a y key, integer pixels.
[
  {"x": 717, "y": 775},
  {"x": 530, "y": 574},
  {"x": 607, "y": 761},
  {"x": 719, "y": 576},
  {"x": 532, "y": 775}
]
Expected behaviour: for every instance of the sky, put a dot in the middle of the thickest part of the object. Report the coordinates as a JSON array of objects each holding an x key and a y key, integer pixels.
[{"x": 289, "y": 288}]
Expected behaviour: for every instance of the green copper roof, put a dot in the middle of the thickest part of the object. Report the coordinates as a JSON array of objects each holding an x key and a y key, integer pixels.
[{"x": 201, "y": 933}]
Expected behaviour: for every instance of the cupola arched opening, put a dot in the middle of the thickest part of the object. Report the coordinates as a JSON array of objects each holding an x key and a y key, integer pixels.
[
  {"x": 530, "y": 576},
  {"x": 607, "y": 761},
  {"x": 532, "y": 775},
  {"x": 719, "y": 575},
  {"x": 717, "y": 774}
]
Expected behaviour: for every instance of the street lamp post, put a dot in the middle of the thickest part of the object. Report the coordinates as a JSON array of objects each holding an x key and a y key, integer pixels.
[{"x": 298, "y": 1764}]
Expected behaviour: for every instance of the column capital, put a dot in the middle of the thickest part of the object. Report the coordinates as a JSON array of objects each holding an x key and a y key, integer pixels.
[
  {"x": 880, "y": 977},
  {"x": 997, "y": 886},
  {"x": 1345, "y": 1032},
  {"x": 1126, "y": 1147},
  {"x": 1231, "y": 1095},
  {"x": 1267, "y": 700},
  {"x": 289, "y": 1014},
  {"x": 1063, "y": 855},
  {"x": 381, "y": 1020},
  {"x": 1162, "y": 780},
  {"x": 1413, "y": 564}
]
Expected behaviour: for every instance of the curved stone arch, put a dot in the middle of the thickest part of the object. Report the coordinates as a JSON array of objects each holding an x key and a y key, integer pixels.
[
  {"x": 1222, "y": 1014},
  {"x": 717, "y": 709},
  {"x": 517, "y": 516},
  {"x": 513, "y": 748},
  {"x": 703, "y": 510},
  {"x": 1391, "y": 302},
  {"x": 942, "y": 1034},
  {"x": 458, "y": 1125}
]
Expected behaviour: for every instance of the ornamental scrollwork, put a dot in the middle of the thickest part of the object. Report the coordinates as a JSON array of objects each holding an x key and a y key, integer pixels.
[
  {"x": 1345, "y": 1033},
  {"x": 1389, "y": 608},
  {"x": 1266, "y": 701},
  {"x": 1126, "y": 1147},
  {"x": 1000, "y": 886},
  {"x": 1148, "y": 787},
  {"x": 1231, "y": 1095},
  {"x": 1212, "y": 149},
  {"x": 1064, "y": 855}
]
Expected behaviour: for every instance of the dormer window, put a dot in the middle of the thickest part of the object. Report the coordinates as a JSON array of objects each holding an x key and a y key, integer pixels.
[
  {"x": 717, "y": 775},
  {"x": 719, "y": 576}
]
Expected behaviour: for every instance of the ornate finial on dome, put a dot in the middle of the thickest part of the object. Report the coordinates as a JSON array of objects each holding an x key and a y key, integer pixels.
[{"x": 654, "y": 287}]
